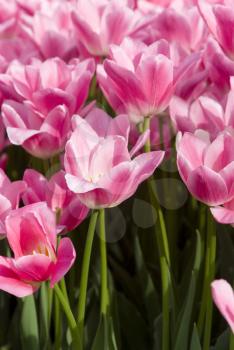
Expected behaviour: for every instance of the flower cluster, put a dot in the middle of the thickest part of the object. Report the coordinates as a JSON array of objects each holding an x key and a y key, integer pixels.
[{"x": 104, "y": 87}]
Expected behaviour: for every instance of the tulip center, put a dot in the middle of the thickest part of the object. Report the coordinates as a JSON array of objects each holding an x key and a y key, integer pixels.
[
  {"x": 94, "y": 178},
  {"x": 45, "y": 250}
]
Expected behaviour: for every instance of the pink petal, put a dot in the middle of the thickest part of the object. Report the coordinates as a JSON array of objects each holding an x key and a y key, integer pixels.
[
  {"x": 66, "y": 256},
  {"x": 34, "y": 268},
  {"x": 156, "y": 77},
  {"x": 223, "y": 215},
  {"x": 207, "y": 186},
  {"x": 36, "y": 190},
  {"x": 223, "y": 297},
  {"x": 141, "y": 141},
  {"x": 10, "y": 281}
]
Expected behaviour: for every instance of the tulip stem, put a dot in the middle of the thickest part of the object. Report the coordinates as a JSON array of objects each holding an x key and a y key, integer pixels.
[
  {"x": 146, "y": 126},
  {"x": 207, "y": 305},
  {"x": 71, "y": 320},
  {"x": 104, "y": 271},
  {"x": 231, "y": 343},
  {"x": 57, "y": 324},
  {"x": 164, "y": 254},
  {"x": 85, "y": 273}
]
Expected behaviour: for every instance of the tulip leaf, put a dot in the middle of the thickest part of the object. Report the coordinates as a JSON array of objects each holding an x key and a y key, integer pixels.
[
  {"x": 105, "y": 337},
  {"x": 184, "y": 319},
  {"x": 29, "y": 325},
  {"x": 223, "y": 341},
  {"x": 195, "y": 341},
  {"x": 148, "y": 290},
  {"x": 135, "y": 333}
]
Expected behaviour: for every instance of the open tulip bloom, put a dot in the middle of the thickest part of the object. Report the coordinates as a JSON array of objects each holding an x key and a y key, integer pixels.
[
  {"x": 117, "y": 146},
  {"x": 100, "y": 169},
  {"x": 31, "y": 233}
]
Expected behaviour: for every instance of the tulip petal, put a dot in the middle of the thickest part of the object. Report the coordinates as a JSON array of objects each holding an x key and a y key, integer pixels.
[
  {"x": 223, "y": 297},
  {"x": 207, "y": 186},
  {"x": 65, "y": 258},
  {"x": 10, "y": 281},
  {"x": 223, "y": 215}
]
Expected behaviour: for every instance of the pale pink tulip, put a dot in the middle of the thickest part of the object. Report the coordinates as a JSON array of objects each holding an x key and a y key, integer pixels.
[
  {"x": 219, "y": 53},
  {"x": 65, "y": 204},
  {"x": 100, "y": 169},
  {"x": 51, "y": 28},
  {"x": 31, "y": 233},
  {"x": 207, "y": 113},
  {"x": 50, "y": 83},
  {"x": 220, "y": 20},
  {"x": 223, "y": 297},
  {"x": 102, "y": 23},
  {"x": 41, "y": 136},
  {"x": 207, "y": 168},
  {"x": 138, "y": 80},
  {"x": 48, "y": 94},
  {"x": 11, "y": 193}
]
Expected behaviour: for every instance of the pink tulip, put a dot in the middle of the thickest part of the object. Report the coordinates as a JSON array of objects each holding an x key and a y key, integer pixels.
[
  {"x": 64, "y": 203},
  {"x": 31, "y": 233},
  {"x": 48, "y": 93},
  {"x": 138, "y": 80},
  {"x": 52, "y": 30},
  {"x": 207, "y": 167},
  {"x": 183, "y": 27},
  {"x": 9, "y": 14},
  {"x": 43, "y": 137},
  {"x": 11, "y": 193},
  {"x": 219, "y": 53},
  {"x": 220, "y": 20},
  {"x": 100, "y": 169},
  {"x": 223, "y": 297},
  {"x": 50, "y": 83},
  {"x": 101, "y": 23},
  {"x": 207, "y": 113}
]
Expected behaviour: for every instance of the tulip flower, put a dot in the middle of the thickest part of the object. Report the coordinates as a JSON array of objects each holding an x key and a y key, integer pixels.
[
  {"x": 52, "y": 30},
  {"x": 219, "y": 53},
  {"x": 138, "y": 79},
  {"x": 100, "y": 169},
  {"x": 31, "y": 233},
  {"x": 207, "y": 167},
  {"x": 205, "y": 113},
  {"x": 101, "y": 23},
  {"x": 50, "y": 83},
  {"x": 10, "y": 194},
  {"x": 41, "y": 137},
  {"x": 223, "y": 297},
  {"x": 64, "y": 203}
]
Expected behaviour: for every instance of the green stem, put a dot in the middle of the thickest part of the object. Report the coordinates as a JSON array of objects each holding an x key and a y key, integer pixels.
[
  {"x": 146, "y": 126},
  {"x": 163, "y": 248},
  {"x": 57, "y": 324},
  {"x": 104, "y": 272},
  {"x": 85, "y": 272},
  {"x": 64, "y": 288},
  {"x": 231, "y": 343},
  {"x": 71, "y": 320},
  {"x": 209, "y": 276},
  {"x": 50, "y": 304}
]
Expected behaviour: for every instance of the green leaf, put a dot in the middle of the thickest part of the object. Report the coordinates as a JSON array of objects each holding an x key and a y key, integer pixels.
[
  {"x": 105, "y": 337},
  {"x": 149, "y": 293},
  {"x": 223, "y": 341},
  {"x": 195, "y": 341},
  {"x": 29, "y": 325},
  {"x": 133, "y": 327},
  {"x": 184, "y": 320}
]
